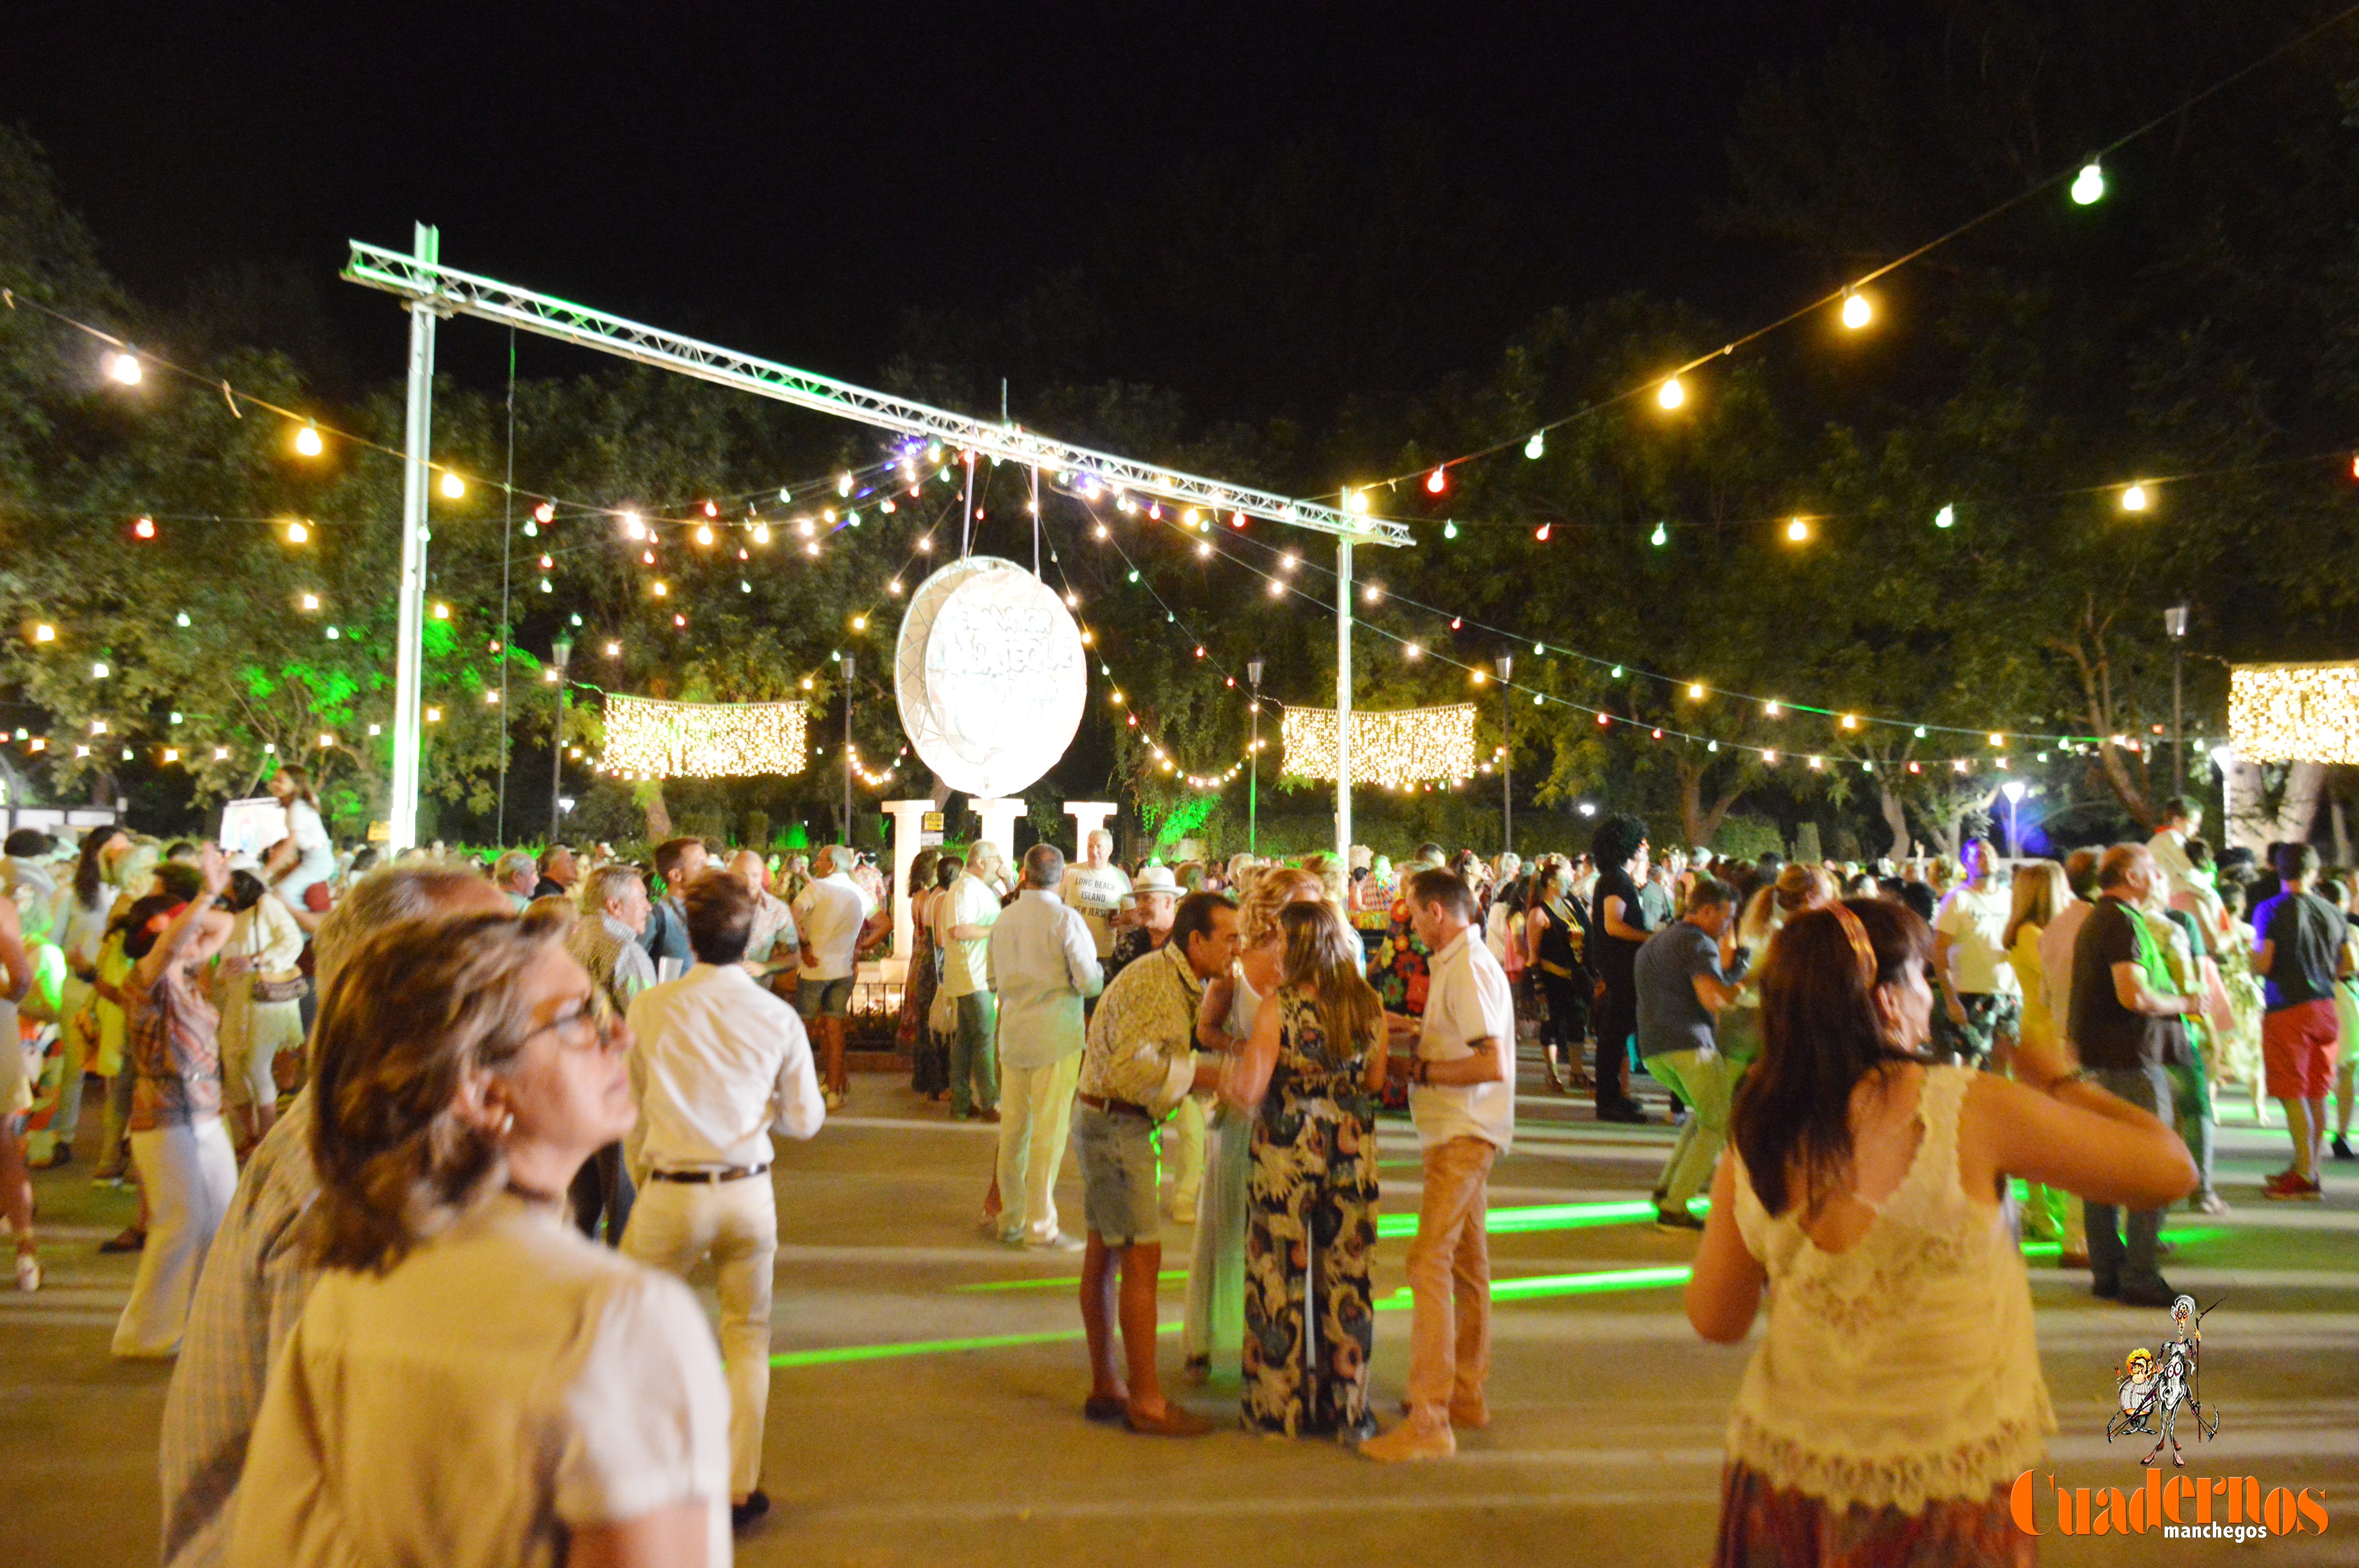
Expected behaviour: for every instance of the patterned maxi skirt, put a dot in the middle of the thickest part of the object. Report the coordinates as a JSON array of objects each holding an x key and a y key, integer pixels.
[
  {"x": 1311, "y": 1231},
  {"x": 1762, "y": 1526}
]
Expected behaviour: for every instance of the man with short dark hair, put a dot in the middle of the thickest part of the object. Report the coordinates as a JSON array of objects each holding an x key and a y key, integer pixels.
[
  {"x": 2126, "y": 1030},
  {"x": 1141, "y": 1064},
  {"x": 678, "y": 860},
  {"x": 2300, "y": 951},
  {"x": 720, "y": 1065},
  {"x": 1043, "y": 964},
  {"x": 1685, "y": 974},
  {"x": 1618, "y": 926},
  {"x": 1463, "y": 1099}
]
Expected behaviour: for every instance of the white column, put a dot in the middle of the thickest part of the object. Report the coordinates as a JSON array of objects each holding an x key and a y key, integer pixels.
[
  {"x": 1088, "y": 816},
  {"x": 1344, "y": 700},
  {"x": 999, "y": 814},
  {"x": 908, "y": 827},
  {"x": 409, "y": 645}
]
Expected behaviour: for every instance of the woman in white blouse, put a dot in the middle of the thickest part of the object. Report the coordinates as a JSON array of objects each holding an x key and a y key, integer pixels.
[
  {"x": 1895, "y": 1395},
  {"x": 473, "y": 1381},
  {"x": 261, "y": 1012}
]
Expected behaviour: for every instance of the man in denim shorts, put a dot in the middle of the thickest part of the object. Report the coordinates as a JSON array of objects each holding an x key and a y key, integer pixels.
[{"x": 1139, "y": 1063}]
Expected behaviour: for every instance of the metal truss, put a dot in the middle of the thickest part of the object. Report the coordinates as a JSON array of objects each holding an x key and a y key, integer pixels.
[{"x": 447, "y": 292}]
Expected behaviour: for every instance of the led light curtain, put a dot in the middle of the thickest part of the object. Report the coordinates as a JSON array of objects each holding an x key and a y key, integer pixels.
[
  {"x": 2281, "y": 713},
  {"x": 650, "y": 739},
  {"x": 1415, "y": 745}
]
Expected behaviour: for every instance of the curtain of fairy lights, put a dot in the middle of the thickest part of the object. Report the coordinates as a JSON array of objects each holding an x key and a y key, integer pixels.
[
  {"x": 1416, "y": 745},
  {"x": 2279, "y": 713},
  {"x": 650, "y": 739}
]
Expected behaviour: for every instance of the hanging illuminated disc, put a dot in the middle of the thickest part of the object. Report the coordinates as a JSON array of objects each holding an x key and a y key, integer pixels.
[{"x": 990, "y": 675}]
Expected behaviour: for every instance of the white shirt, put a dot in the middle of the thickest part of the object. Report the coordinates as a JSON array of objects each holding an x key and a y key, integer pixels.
[
  {"x": 2056, "y": 941},
  {"x": 504, "y": 1383},
  {"x": 1096, "y": 895},
  {"x": 1042, "y": 964},
  {"x": 719, "y": 1064},
  {"x": 828, "y": 914},
  {"x": 1974, "y": 923},
  {"x": 966, "y": 966},
  {"x": 318, "y": 855},
  {"x": 2169, "y": 851},
  {"x": 1467, "y": 1000}
]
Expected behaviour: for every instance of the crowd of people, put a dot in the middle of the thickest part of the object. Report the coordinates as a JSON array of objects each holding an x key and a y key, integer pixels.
[{"x": 425, "y": 1150}]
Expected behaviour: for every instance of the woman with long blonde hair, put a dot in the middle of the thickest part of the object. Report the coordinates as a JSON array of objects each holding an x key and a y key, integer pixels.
[
  {"x": 472, "y": 1381},
  {"x": 1309, "y": 1077}
]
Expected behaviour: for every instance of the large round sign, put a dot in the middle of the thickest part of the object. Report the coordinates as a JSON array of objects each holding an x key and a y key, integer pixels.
[{"x": 990, "y": 675}]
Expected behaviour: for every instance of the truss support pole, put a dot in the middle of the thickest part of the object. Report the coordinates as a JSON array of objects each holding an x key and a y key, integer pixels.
[
  {"x": 1344, "y": 699},
  {"x": 409, "y": 684}
]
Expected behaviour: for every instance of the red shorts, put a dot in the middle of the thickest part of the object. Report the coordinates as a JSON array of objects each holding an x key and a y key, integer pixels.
[{"x": 2297, "y": 1050}]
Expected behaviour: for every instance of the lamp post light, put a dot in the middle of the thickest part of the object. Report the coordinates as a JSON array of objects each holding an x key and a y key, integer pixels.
[
  {"x": 560, "y": 653},
  {"x": 2013, "y": 790},
  {"x": 1252, "y": 754},
  {"x": 2174, "y": 621},
  {"x": 850, "y": 668},
  {"x": 1506, "y": 664}
]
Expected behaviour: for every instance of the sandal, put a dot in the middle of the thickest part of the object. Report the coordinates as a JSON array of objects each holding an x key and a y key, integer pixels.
[{"x": 131, "y": 1238}]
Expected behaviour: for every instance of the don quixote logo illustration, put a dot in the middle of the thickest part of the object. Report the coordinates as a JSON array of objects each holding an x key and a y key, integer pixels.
[{"x": 2154, "y": 1390}]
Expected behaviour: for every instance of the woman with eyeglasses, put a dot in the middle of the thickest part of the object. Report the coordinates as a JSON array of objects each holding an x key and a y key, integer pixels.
[{"x": 472, "y": 1381}]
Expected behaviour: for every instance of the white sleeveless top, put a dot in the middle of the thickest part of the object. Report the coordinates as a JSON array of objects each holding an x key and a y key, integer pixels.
[{"x": 1902, "y": 1371}]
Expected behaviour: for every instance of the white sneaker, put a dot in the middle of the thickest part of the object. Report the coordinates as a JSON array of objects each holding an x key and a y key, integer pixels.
[
  {"x": 28, "y": 1273},
  {"x": 1060, "y": 1242}
]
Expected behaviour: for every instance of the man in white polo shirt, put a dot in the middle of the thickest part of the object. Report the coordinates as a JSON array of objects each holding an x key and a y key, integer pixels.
[
  {"x": 1462, "y": 1098},
  {"x": 720, "y": 1065},
  {"x": 831, "y": 919}
]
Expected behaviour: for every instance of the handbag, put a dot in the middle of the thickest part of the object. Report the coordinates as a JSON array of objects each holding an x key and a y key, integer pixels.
[
  {"x": 290, "y": 989},
  {"x": 942, "y": 1016}
]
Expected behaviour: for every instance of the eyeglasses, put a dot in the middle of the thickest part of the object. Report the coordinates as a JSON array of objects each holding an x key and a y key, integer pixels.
[{"x": 592, "y": 1024}]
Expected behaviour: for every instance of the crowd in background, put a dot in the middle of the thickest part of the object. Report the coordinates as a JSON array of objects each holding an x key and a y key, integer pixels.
[{"x": 382, "y": 1114}]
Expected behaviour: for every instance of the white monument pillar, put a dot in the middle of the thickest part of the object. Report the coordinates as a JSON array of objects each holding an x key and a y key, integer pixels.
[
  {"x": 1088, "y": 816},
  {"x": 999, "y": 814},
  {"x": 909, "y": 830}
]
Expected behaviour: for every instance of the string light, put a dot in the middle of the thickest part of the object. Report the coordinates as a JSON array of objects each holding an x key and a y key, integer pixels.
[
  {"x": 704, "y": 533},
  {"x": 1798, "y": 530},
  {"x": 1535, "y": 449},
  {"x": 124, "y": 368},
  {"x": 2294, "y": 712},
  {"x": 1436, "y": 481},
  {"x": 1392, "y": 749},
  {"x": 1660, "y": 536},
  {"x": 453, "y": 487},
  {"x": 2089, "y": 185},
  {"x": 1670, "y": 395},
  {"x": 144, "y": 529},
  {"x": 1856, "y": 311},
  {"x": 297, "y": 532},
  {"x": 308, "y": 442},
  {"x": 45, "y": 632},
  {"x": 2133, "y": 498},
  {"x": 633, "y": 528},
  {"x": 703, "y": 739},
  {"x": 1695, "y": 691},
  {"x": 1946, "y": 518}
]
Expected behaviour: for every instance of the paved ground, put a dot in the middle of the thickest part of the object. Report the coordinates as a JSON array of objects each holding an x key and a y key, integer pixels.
[{"x": 1607, "y": 1411}]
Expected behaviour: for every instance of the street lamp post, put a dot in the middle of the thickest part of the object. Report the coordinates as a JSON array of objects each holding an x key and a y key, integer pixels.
[
  {"x": 850, "y": 668},
  {"x": 1253, "y": 759},
  {"x": 1506, "y": 664},
  {"x": 560, "y": 653},
  {"x": 2174, "y": 621}
]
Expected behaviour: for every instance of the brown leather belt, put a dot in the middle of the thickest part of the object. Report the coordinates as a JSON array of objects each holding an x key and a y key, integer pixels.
[
  {"x": 1115, "y": 1107},
  {"x": 709, "y": 1178}
]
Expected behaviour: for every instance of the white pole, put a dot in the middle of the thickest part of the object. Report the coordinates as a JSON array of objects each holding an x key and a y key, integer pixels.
[
  {"x": 408, "y": 681},
  {"x": 1344, "y": 700}
]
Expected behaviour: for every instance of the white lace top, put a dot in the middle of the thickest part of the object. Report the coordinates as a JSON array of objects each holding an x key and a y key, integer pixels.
[{"x": 1901, "y": 1370}]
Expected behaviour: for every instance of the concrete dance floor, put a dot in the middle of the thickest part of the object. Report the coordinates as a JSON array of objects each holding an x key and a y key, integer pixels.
[{"x": 926, "y": 1402}]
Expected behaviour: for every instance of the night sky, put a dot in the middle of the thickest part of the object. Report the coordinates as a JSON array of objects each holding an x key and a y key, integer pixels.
[{"x": 793, "y": 183}]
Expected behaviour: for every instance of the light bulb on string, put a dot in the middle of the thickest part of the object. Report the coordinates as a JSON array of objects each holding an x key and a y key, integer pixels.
[
  {"x": 2089, "y": 185},
  {"x": 1372, "y": 593},
  {"x": 144, "y": 529},
  {"x": 2133, "y": 498},
  {"x": 704, "y": 534},
  {"x": 308, "y": 442},
  {"x": 1535, "y": 447},
  {"x": 297, "y": 532},
  {"x": 1798, "y": 530},
  {"x": 1541, "y": 532},
  {"x": 633, "y": 528},
  {"x": 1670, "y": 395},
  {"x": 1436, "y": 481},
  {"x": 1660, "y": 536},
  {"x": 123, "y": 368},
  {"x": 1450, "y": 529},
  {"x": 1947, "y": 517},
  {"x": 544, "y": 513},
  {"x": 1856, "y": 311},
  {"x": 453, "y": 487}
]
